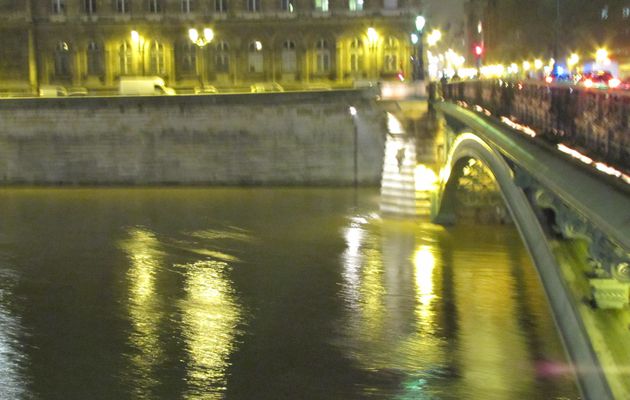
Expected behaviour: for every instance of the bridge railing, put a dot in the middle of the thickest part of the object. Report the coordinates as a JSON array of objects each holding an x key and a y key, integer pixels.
[{"x": 593, "y": 121}]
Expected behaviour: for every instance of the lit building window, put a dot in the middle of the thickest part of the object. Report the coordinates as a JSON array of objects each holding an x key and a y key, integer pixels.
[
  {"x": 62, "y": 60},
  {"x": 58, "y": 6},
  {"x": 321, "y": 5},
  {"x": 255, "y": 57},
  {"x": 124, "y": 56},
  {"x": 355, "y": 5},
  {"x": 322, "y": 56},
  {"x": 390, "y": 56},
  {"x": 220, "y": 6},
  {"x": 155, "y": 6},
  {"x": 187, "y": 6},
  {"x": 625, "y": 12},
  {"x": 287, "y": 5},
  {"x": 356, "y": 55},
  {"x": 253, "y": 5},
  {"x": 156, "y": 58},
  {"x": 390, "y": 4},
  {"x": 94, "y": 59},
  {"x": 187, "y": 58},
  {"x": 89, "y": 6},
  {"x": 123, "y": 6},
  {"x": 604, "y": 13},
  {"x": 289, "y": 57},
  {"x": 222, "y": 57}
]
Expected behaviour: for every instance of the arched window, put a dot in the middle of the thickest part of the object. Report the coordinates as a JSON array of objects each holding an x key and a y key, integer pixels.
[
  {"x": 289, "y": 57},
  {"x": 355, "y": 5},
  {"x": 156, "y": 58},
  {"x": 95, "y": 59},
  {"x": 187, "y": 58},
  {"x": 322, "y": 56},
  {"x": 62, "y": 60},
  {"x": 321, "y": 5},
  {"x": 222, "y": 57},
  {"x": 255, "y": 57},
  {"x": 124, "y": 57},
  {"x": 390, "y": 54},
  {"x": 356, "y": 55}
]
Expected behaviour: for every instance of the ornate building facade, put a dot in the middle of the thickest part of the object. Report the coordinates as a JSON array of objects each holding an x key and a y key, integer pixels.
[{"x": 91, "y": 43}]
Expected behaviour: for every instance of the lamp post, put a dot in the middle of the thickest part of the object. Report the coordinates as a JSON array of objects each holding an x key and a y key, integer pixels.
[
  {"x": 416, "y": 38},
  {"x": 355, "y": 139},
  {"x": 201, "y": 41}
]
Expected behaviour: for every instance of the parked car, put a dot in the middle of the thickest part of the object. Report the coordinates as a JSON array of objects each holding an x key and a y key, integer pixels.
[
  {"x": 263, "y": 87},
  {"x": 52, "y": 91},
  {"x": 77, "y": 91},
  {"x": 206, "y": 89},
  {"x": 143, "y": 85},
  {"x": 598, "y": 79}
]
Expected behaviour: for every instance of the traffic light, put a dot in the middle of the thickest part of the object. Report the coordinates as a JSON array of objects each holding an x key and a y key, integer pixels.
[{"x": 478, "y": 50}]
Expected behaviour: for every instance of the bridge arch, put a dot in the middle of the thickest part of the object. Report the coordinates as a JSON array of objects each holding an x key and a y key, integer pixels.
[{"x": 468, "y": 145}]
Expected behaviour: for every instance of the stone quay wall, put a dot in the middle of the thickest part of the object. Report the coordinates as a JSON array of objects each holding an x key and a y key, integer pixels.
[{"x": 294, "y": 138}]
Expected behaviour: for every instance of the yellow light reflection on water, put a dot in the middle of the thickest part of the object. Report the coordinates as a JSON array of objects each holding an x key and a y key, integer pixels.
[
  {"x": 144, "y": 311},
  {"x": 424, "y": 264},
  {"x": 210, "y": 316}
]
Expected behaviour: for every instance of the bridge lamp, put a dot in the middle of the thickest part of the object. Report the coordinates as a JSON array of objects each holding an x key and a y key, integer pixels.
[
  {"x": 420, "y": 22},
  {"x": 414, "y": 38}
]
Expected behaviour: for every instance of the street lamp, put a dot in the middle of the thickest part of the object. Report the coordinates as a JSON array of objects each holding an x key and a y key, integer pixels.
[
  {"x": 201, "y": 41},
  {"x": 416, "y": 38}
]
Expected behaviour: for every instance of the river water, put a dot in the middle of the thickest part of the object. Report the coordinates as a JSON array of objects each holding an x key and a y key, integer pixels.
[{"x": 264, "y": 294}]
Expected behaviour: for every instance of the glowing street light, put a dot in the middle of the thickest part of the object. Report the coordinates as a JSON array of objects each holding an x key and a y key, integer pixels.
[
  {"x": 601, "y": 56},
  {"x": 538, "y": 64},
  {"x": 526, "y": 66},
  {"x": 372, "y": 35},
  {"x": 420, "y": 22},
  {"x": 434, "y": 37},
  {"x": 414, "y": 38},
  {"x": 200, "y": 40}
]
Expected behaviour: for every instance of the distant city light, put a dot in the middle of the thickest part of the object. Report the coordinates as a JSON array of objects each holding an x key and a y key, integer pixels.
[
  {"x": 538, "y": 64},
  {"x": 352, "y": 111},
  {"x": 526, "y": 66},
  {"x": 258, "y": 45},
  {"x": 372, "y": 35}
]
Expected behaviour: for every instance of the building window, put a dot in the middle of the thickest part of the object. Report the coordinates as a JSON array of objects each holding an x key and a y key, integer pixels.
[
  {"x": 222, "y": 57},
  {"x": 124, "y": 57},
  {"x": 356, "y": 55},
  {"x": 156, "y": 58},
  {"x": 89, "y": 6},
  {"x": 253, "y": 5},
  {"x": 390, "y": 4},
  {"x": 255, "y": 57},
  {"x": 390, "y": 56},
  {"x": 94, "y": 59},
  {"x": 355, "y": 5},
  {"x": 155, "y": 6},
  {"x": 321, "y": 5},
  {"x": 58, "y": 7},
  {"x": 322, "y": 56},
  {"x": 62, "y": 60},
  {"x": 187, "y": 6},
  {"x": 123, "y": 6},
  {"x": 289, "y": 57},
  {"x": 287, "y": 5},
  {"x": 604, "y": 13},
  {"x": 187, "y": 58},
  {"x": 220, "y": 6},
  {"x": 625, "y": 12}
]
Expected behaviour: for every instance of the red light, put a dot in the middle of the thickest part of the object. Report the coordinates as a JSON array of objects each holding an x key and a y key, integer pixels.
[{"x": 478, "y": 50}]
